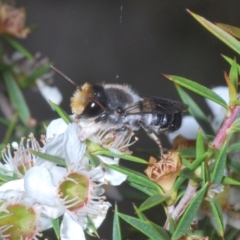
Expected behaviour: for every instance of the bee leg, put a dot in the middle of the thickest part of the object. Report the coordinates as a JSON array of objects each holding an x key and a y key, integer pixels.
[
  {"x": 122, "y": 129},
  {"x": 153, "y": 136}
]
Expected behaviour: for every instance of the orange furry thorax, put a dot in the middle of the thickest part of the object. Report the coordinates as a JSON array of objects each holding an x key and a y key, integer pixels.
[{"x": 81, "y": 98}]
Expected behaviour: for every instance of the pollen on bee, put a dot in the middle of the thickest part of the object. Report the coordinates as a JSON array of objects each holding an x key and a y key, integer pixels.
[{"x": 81, "y": 98}]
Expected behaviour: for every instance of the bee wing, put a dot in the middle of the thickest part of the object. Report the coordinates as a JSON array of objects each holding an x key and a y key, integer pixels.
[{"x": 156, "y": 105}]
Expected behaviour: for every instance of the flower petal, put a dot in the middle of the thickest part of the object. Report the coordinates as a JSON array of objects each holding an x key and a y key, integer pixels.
[
  {"x": 55, "y": 146},
  {"x": 38, "y": 185},
  {"x": 74, "y": 149},
  {"x": 15, "y": 185},
  {"x": 113, "y": 177},
  {"x": 70, "y": 229},
  {"x": 55, "y": 128},
  {"x": 49, "y": 93},
  {"x": 99, "y": 219}
]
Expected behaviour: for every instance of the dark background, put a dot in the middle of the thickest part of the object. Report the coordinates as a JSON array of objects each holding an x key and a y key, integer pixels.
[{"x": 133, "y": 42}]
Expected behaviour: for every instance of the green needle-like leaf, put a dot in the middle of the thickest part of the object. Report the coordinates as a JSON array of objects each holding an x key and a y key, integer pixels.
[
  {"x": 197, "y": 88},
  {"x": 143, "y": 188},
  {"x": 36, "y": 74},
  {"x": 217, "y": 214},
  {"x": 230, "y": 61},
  {"x": 61, "y": 113},
  {"x": 196, "y": 112},
  {"x": 189, "y": 214},
  {"x": 16, "y": 97},
  {"x": 218, "y": 32},
  {"x": 91, "y": 227},
  {"x": 55, "y": 159},
  {"x": 200, "y": 149},
  {"x": 220, "y": 165},
  {"x": 56, "y": 227},
  {"x": 140, "y": 215},
  {"x": 136, "y": 177},
  {"x": 18, "y": 47},
  {"x": 234, "y": 165},
  {"x": 230, "y": 181},
  {"x": 131, "y": 158},
  {"x": 11, "y": 128},
  {"x": 143, "y": 226},
  {"x": 116, "y": 225},
  {"x": 152, "y": 202},
  {"x": 187, "y": 173},
  {"x": 234, "y": 31},
  {"x": 233, "y": 75}
]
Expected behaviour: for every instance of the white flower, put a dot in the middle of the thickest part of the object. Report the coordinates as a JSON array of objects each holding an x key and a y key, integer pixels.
[
  {"x": 23, "y": 159},
  {"x": 16, "y": 208},
  {"x": 66, "y": 144},
  {"x": 73, "y": 192}
]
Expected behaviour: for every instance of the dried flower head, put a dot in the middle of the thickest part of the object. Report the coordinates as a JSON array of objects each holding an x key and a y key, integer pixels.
[
  {"x": 12, "y": 21},
  {"x": 165, "y": 171}
]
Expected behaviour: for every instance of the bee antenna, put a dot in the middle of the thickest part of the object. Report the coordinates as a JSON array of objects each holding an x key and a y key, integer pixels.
[{"x": 65, "y": 77}]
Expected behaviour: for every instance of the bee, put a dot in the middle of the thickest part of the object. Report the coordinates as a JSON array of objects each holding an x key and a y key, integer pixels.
[{"x": 118, "y": 107}]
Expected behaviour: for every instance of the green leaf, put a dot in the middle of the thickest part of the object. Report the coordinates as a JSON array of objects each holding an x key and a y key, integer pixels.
[
  {"x": 204, "y": 173},
  {"x": 231, "y": 233},
  {"x": 143, "y": 188},
  {"x": 29, "y": 81},
  {"x": 152, "y": 202},
  {"x": 234, "y": 165},
  {"x": 11, "y": 128},
  {"x": 230, "y": 181},
  {"x": 230, "y": 61},
  {"x": 5, "y": 176},
  {"x": 55, "y": 159},
  {"x": 116, "y": 225},
  {"x": 235, "y": 147},
  {"x": 196, "y": 112},
  {"x": 56, "y": 227},
  {"x": 188, "y": 174},
  {"x": 161, "y": 230},
  {"x": 94, "y": 159},
  {"x": 186, "y": 162},
  {"x": 234, "y": 31},
  {"x": 18, "y": 47},
  {"x": 91, "y": 227},
  {"x": 219, "y": 165},
  {"x": 189, "y": 214},
  {"x": 131, "y": 158},
  {"x": 200, "y": 149},
  {"x": 196, "y": 163},
  {"x": 136, "y": 177},
  {"x": 217, "y": 214},
  {"x": 2, "y": 146},
  {"x": 171, "y": 226},
  {"x": 16, "y": 97},
  {"x": 218, "y": 32},
  {"x": 198, "y": 89},
  {"x": 143, "y": 226},
  {"x": 61, "y": 113},
  {"x": 188, "y": 152},
  {"x": 140, "y": 215},
  {"x": 233, "y": 75}
]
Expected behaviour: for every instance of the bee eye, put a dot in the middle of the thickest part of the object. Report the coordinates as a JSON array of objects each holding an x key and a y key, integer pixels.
[{"x": 92, "y": 109}]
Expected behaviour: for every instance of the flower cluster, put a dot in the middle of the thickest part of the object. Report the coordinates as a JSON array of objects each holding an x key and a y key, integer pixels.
[{"x": 36, "y": 190}]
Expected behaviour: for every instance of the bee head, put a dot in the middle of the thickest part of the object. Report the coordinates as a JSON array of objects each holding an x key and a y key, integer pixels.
[{"x": 88, "y": 102}]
